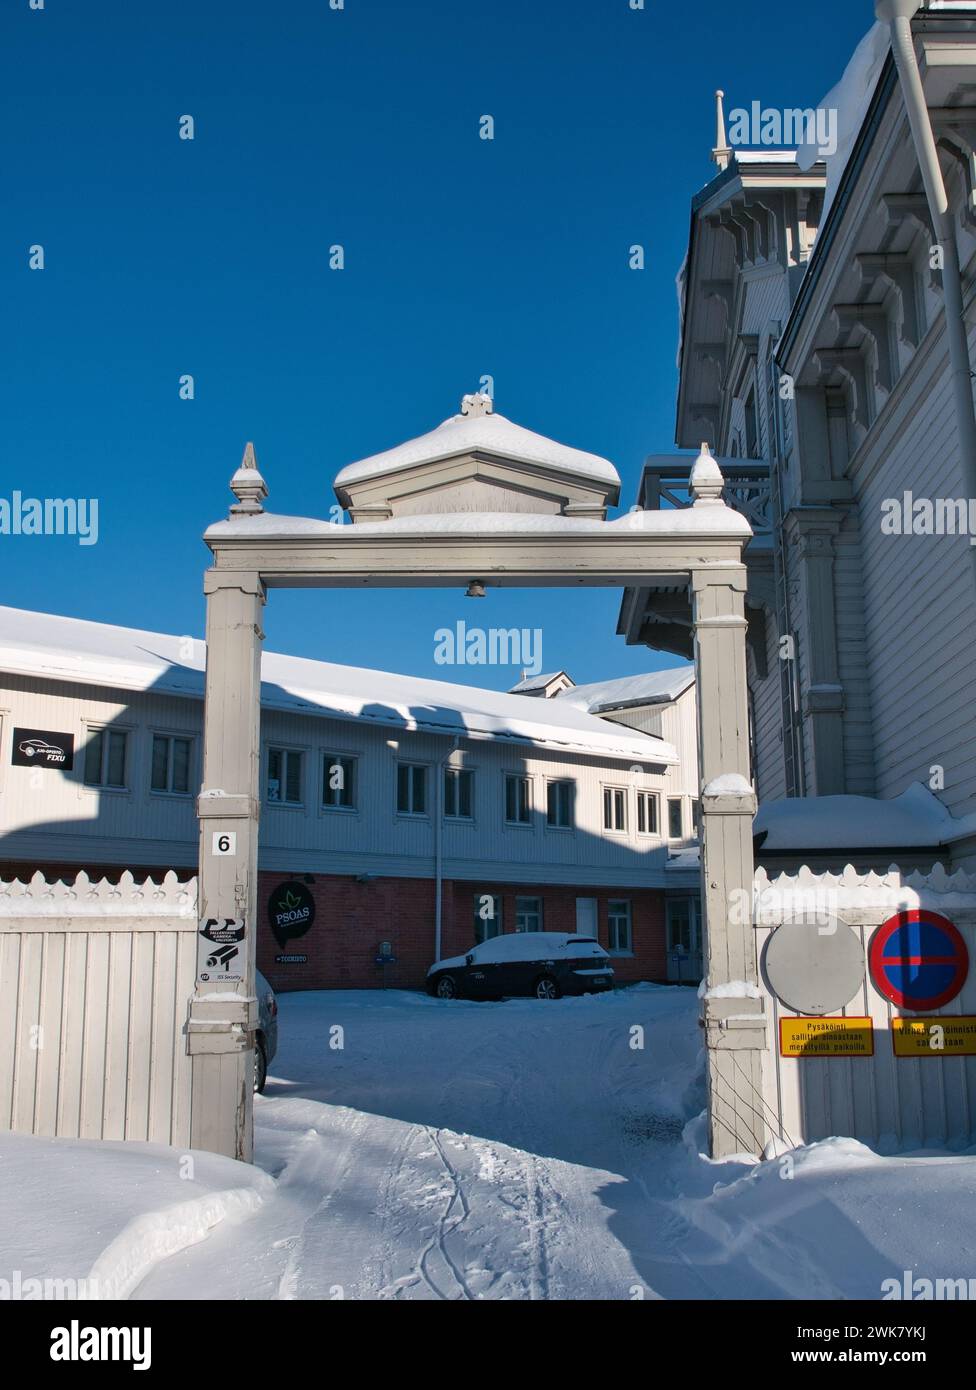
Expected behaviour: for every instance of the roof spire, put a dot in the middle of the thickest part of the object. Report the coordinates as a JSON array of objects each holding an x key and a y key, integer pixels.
[
  {"x": 721, "y": 154},
  {"x": 479, "y": 403},
  {"x": 247, "y": 485},
  {"x": 705, "y": 481}
]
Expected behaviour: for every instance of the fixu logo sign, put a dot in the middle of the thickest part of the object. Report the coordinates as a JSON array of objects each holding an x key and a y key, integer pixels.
[
  {"x": 291, "y": 909},
  {"x": 43, "y": 748}
]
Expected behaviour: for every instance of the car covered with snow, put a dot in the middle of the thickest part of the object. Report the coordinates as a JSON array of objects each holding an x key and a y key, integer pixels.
[
  {"x": 546, "y": 964},
  {"x": 266, "y": 1037}
]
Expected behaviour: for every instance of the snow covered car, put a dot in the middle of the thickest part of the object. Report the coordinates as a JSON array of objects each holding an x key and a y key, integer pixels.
[
  {"x": 266, "y": 1039},
  {"x": 547, "y": 964}
]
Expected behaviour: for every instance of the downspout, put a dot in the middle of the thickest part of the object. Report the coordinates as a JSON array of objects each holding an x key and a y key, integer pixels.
[
  {"x": 438, "y": 832},
  {"x": 897, "y": 14}
]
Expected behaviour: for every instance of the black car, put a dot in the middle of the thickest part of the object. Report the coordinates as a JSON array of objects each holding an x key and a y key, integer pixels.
[{"x": 546, "y": 964}]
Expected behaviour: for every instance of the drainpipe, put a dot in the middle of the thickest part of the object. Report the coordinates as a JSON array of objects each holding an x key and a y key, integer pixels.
[
  {"x": 897, "y": 14},
  {"x": 438, "y": 832}
]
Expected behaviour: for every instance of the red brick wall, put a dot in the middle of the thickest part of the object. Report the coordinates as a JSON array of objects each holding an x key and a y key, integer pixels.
[{"x": 351, "y": 919}]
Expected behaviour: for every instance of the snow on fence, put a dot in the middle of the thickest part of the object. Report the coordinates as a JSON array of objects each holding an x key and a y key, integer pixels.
[
  {"x": 885, "y": 1100},
  {"x": 95, "y": 980}
]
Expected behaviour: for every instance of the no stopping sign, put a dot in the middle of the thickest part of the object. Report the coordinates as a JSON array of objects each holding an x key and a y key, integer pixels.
[{"x": 918, "y": 960}]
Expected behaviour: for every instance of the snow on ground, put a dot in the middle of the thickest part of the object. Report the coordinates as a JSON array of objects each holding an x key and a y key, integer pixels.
[{"x": 524, "y": 1150}]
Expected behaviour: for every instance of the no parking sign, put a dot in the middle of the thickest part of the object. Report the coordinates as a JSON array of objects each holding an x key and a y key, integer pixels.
[{"x": 918, "y": 960}]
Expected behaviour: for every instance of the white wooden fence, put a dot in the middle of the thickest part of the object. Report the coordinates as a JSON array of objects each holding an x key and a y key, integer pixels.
[
  {"x": 95, "y": 980},
  {"x": 889, "y": 1101}
]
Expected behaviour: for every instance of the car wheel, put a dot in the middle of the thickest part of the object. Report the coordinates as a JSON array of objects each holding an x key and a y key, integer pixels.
[
  {"x": 546, "y": 988},
  {"x": 446, "y": 988},
  {"x": 260, "y": 1066}
]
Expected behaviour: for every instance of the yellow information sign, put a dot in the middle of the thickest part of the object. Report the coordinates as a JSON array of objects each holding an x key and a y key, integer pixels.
[
  {"x": 826, "y": 1037},
  {"x": 943, "y": 1036}
]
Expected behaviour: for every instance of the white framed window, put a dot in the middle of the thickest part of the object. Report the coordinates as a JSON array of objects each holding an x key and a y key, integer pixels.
[
  {"x": 411, "y": 799},
  {"x": 560, "y": 798},
  {"x": 458, "y": 793},
  {"x": 518, "y": 799},
  {"x": 487, "y": 916},
  {"x": 339, "y": 782},
  {"x": 284, "y": 783},
  {"x": 170, "y": 770},
  {"x": 106, "y": 758},
  {"x": 615, "y": 808},
  {"x": 648, "y": 813},
  {"x": 619, "y": 933},
  {"x": 675, "y": 818},
  {"x": 528, "y": 914}
]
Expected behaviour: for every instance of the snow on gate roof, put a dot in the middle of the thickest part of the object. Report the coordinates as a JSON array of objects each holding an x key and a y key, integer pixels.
[{"x": 57, "y": 648}]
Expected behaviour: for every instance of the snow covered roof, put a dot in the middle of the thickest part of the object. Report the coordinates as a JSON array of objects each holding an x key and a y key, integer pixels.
[
  {"x": 914, "y": 820},
  {"x": 485, "y": 433},
  {"x": 648, "y": 688},
  {"x": 538, "y": 682},
  {"x": 42, "y": 644}
]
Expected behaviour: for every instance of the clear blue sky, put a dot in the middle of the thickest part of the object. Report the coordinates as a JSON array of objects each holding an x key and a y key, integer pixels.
[{"x": 463, "y": 257}]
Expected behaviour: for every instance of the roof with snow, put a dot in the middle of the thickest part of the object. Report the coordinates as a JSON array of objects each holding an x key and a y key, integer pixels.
[
  {"x": 914, "y": 820},
  {"x": 649, "y": 688},
  {"x": 531, "y": 683},
  {"x": 486, "y": 433},
  {"x": 57, "y": 648}
]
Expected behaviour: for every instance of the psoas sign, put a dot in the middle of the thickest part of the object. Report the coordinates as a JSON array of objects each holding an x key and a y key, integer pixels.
[
  {"x": 43, "y": 748},
  {"x": 918, "y": 960}
]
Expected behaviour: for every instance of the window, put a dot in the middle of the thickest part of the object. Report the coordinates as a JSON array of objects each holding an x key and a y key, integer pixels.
[
  {"x": 339, "y": 782},
  {"x": 618, "y": 926},
  {"x": 487, "y": 916},
  {"x": 675, "y": 819},
  {"x": 170, "y": 764},
  {"x": 516, "y": 799},
  {"x": 285, "y": 776},
  {"x": 647, "y": 813},
  {"x": 614, "y": 808},
  {"x": 695, "y": 817},
  {"x": 528, "y": 914},
  {"x": 559, "y": 805},
  {"x": 458, "y": 797},
  {"x": 752, "y": 426},
  {"x": 105, "y": 758},
  {"x": 411, "y": 789}
]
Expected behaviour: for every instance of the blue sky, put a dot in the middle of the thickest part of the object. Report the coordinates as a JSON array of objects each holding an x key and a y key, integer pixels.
[{"x": 464, "y": 257}]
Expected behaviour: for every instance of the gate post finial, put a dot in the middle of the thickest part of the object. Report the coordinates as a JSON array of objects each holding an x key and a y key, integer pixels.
[{"x": 247, "y": 485}]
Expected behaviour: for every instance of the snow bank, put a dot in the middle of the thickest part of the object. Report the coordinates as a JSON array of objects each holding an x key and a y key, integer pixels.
[
  {"x": 914, "y": 820},
  {"x": 103, "y": 1214}
]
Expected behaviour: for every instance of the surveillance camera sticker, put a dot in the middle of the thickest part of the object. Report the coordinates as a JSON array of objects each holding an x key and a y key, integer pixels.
[{"x": 221, "y": 955}]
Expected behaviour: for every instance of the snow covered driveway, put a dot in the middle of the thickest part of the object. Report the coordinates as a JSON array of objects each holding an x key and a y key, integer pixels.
[{"x": 424, "y": 1149}]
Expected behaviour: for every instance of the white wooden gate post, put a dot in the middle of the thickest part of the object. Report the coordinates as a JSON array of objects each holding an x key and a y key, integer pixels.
[
  {"x": 221, "y": 1026},
  {"x": 734, "y": 1023}
]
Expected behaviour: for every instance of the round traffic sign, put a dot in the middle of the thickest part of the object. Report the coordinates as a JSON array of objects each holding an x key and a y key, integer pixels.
[{"x": 918, "y": 960}]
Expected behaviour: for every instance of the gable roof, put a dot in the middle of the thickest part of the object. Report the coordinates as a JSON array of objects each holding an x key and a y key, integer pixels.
[
  {"x": 71, "y": 649},
  {"x": 649, "y": 688},
  {"x": 493, "y": 434}
]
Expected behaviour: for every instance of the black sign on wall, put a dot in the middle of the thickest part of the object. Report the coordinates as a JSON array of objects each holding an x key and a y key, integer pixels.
[
  {"x": 43, "y": 748},
  {"x": 291, "y": 911}
]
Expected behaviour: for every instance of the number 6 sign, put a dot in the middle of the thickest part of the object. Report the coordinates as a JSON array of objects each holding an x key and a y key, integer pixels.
[{"x": 224, "y": 842}]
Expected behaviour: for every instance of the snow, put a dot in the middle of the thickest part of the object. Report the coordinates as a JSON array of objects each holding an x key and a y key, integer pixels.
[
  {"x": 105, "y": 1214},
  {"x": 718, "y": 520},
  {"x": 463, "y": 1151},
  {"x": 732, "y": 989},
  {"x": 489, "y": 433},
  {"x": 528, "y": 945},
  {"x": 916, "y": 819},
  {"x": 851, "y": 98},
  {"x": 40, "y": 644},
  {"x": 728, "y": 784},
  {"x": 649, "y": 688}
]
